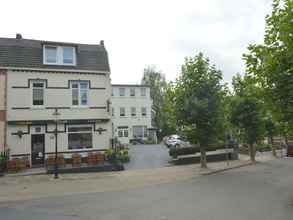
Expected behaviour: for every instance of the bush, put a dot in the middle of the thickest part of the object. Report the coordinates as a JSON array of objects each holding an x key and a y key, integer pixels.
[
  {"x": 175, "y": 152},
  {"x": 263, "y": 147},
  {"x": 119, "y": 156}
]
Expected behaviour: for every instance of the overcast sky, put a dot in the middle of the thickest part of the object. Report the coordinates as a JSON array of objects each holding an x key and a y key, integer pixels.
[{"x": 139, "y": 33}]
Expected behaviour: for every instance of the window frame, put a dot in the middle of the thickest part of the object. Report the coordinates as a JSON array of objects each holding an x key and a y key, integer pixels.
[
  {"x": 80, "y": 132},
  {"x": 123, "y": 133},
  {"x": 142, "y": 111},
  {"x": 59, "y": 55},
  {"x": 124, "y": 112},
  {"x": 143, "y": 93},
  {"x": 124, "y": 93},
  {"x": 132, "y": 92},
  {"x": 32, "y": 92},
  {"x": 133, "y": 113},
  {"x": 79, "y": 89}
]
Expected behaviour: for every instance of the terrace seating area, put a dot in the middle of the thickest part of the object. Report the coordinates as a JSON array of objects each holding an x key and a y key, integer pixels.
[{"x": 92, "y": 162}]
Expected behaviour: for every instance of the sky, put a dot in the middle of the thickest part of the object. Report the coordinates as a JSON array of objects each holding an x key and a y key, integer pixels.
[{"x": 141, "y": 33}]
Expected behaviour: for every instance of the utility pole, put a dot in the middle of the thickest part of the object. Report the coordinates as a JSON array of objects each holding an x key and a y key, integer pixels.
[{"x": 56, "y": 114}]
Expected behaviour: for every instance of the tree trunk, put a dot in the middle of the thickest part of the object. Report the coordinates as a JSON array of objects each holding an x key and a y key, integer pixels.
[
  {"x": 273, "y": 146},
  {"x": 203, "y": 157},
  {"x": 252, "y": 152}
]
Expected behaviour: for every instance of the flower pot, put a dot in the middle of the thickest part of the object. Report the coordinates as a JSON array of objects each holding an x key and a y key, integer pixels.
[{"x": 2, "y": 167}]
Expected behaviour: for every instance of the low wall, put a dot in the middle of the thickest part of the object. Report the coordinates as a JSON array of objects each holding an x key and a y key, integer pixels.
[{"x": 214, "y": 156}]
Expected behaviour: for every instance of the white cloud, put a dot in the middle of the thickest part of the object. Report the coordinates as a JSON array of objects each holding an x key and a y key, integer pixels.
[{"x": 146, "y": 32}]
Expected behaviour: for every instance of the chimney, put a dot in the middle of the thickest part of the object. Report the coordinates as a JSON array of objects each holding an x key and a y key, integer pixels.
[
  {"x": 18, "y": 36},
  {"x": 102, "y": 43}
]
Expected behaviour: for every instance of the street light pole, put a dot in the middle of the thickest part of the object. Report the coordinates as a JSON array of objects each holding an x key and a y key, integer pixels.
[{"x": 56, "y": 114}]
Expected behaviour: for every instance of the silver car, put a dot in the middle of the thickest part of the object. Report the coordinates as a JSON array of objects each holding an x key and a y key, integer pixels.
[{"x": 176, "y": 141}]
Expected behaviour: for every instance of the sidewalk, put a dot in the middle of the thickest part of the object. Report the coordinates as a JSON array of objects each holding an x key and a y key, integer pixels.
[{"x": 13, "y": 188}]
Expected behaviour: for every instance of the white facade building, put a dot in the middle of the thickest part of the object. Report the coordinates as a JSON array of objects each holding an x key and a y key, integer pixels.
[
  {"x": 44, "y": 77},
  {"x": 131, "y": 112}
]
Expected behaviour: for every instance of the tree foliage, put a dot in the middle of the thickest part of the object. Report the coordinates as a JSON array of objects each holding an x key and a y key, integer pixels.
[
  {"x": 168, "y": 116},
  {"x": 156, "y": 80},
  {"x": 271, "y": 63},
  {"x": 247, "y": 111},
  {"x": 199, "y": 101}
]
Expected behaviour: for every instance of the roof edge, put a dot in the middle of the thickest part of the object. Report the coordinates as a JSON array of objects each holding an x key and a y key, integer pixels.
[
  {"x": 130, "y": 85},
  {"x": 54, "y": 70}
]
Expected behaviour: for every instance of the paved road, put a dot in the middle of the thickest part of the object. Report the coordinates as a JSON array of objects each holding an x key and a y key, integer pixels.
[
  {"x": 148, "y": 156},
  {"x": 262, "y": 192}
]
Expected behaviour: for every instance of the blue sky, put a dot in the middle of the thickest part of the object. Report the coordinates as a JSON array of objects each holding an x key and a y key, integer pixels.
[{"x": 145, "y": 32}]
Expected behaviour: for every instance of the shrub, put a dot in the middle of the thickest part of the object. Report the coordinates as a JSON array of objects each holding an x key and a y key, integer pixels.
[
  {"x": 175, "y": 152},
  {"x": 263, "y": 147},
  {"x": 118, "y": 156}
]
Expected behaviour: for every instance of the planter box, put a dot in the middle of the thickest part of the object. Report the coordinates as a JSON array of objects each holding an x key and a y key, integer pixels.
[
  {"x": 214, "y": 156},
  {"x": 2, "y": 167},
  {"x": 87, "y": 169}
]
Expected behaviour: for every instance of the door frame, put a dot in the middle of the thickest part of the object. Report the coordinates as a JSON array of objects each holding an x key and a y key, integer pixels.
[{"x": 41, "y": 164}]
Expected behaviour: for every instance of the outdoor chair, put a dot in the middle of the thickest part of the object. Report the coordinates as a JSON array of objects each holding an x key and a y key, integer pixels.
[{"x": 76, "y": 159}]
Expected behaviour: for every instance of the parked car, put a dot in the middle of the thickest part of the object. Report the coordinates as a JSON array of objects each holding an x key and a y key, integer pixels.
[{"x": 176, "y": 141}]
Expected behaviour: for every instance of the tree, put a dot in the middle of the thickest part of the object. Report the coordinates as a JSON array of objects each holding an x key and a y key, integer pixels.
[
  {"x": 198, "y": 102},
  {"x": 156, "y": 80},
  {"x": 168, "y": 116},
  {"x": 271, "y": 63},
  {"x": 246, "y": 112}
]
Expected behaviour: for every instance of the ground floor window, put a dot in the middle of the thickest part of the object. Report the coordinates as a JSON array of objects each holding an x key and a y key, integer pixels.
[
  {"x": 122, "y": 132},
  {"x": 139, "y": 131},
  {"x": 80, "y": 136}
]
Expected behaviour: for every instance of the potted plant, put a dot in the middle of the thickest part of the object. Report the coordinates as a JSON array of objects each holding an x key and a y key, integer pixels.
[{"x": 2, "y": 163}]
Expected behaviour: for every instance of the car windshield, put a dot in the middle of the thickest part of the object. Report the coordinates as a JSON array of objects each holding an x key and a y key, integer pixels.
[{"x": 174, "y": 136}]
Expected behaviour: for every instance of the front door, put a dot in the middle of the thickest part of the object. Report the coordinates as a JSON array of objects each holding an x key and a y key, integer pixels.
[{"x": 38, "y": 149}]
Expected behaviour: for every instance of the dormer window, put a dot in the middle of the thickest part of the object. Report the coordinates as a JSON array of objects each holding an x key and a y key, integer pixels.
[{"x": 59, "y": 55}]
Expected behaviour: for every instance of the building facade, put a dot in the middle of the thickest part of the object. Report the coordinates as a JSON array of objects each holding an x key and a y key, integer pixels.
[
  {"x": 53, "y": 84},
  {"x": 131, "y": 112},
  {"x": 3, "y": 84}
]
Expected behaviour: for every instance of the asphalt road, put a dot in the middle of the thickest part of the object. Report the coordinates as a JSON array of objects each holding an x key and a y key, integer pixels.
[
  {"x": 261, "y": 192},
  {"x": 148, "y": 156}
]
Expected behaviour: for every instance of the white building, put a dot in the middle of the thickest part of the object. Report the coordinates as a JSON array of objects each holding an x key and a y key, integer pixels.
[
  {"x": 131, "y": 112},
  {"x": 43, "y": 76}
]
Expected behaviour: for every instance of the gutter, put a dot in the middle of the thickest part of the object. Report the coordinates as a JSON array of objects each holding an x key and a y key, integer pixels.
[{"x": 55, "y": 70}]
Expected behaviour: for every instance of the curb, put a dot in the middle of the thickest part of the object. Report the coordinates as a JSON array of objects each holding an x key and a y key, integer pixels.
[{"x": 226, "y": 169}]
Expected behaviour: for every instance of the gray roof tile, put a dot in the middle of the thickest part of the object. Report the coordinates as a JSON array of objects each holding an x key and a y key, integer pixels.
[{"x": 29, "y": 54}]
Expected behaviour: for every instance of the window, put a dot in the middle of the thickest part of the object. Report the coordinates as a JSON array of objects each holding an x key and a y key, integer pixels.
[
  {"x": 38, "y": 93},
  {"x": 59, "y": 55},
  {"x": 80, "y": 93},
  {"x": 112, "y": 94},
  {"x": 122, "y": 132},
  {"x": 80, "y": 137},
  {"x": 125, "y": 133},
  {"x": 113, "y": 112},
  {"x": 68, "y": 55},
  {"x": 143, "y": 111},
  {"x": 139, "y": 131},
  {"x": 132, "y": 91},
  {"x": 133, "y": 111},
  {"x": 50, "y": 55},
  {"x": 122, "y": 91},
  {"x": 143, "y": 91},
  {"x": 122, "y": 111}
]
